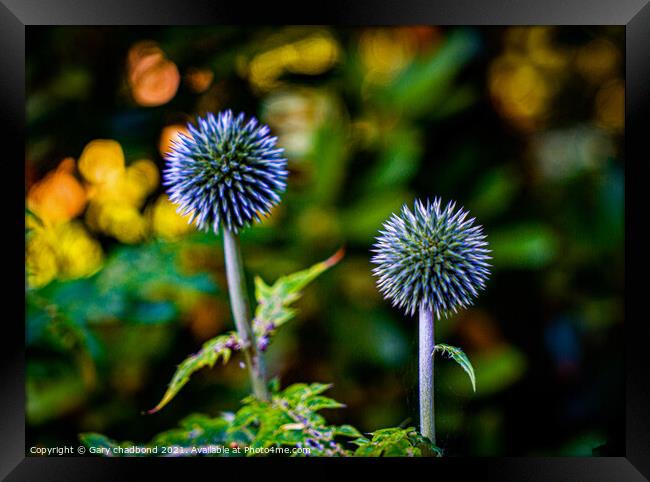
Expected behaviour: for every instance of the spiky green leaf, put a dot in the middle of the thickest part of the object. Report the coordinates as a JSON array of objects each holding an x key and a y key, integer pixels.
[
  {"x": 290, "y": 420},
  {"x": 273, "y": 302},
  {"x": 211, "y": 351}
]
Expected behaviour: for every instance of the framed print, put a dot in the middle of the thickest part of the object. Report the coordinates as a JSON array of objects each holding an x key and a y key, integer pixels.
[{"x": 367, "y": 235}]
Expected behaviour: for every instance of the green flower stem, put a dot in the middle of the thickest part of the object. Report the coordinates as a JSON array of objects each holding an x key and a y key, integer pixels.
[
  {"x": 426, "y": 347},
  {"x": 241, "y": 313}
]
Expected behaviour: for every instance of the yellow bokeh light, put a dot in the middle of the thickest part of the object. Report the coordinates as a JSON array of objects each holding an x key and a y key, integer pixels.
[
  {"x": 314, "y": 55},
  {"x": 542, "y": 51},
  {"x": 40, "y": 261},
  {"x": 141, "y": 179},
  {"x": 117, "y": 192},
  {"x": 64, "y": 251},
  {"x": 125, "y": 223},
  {"x": 525, "y": 79},
  {"x": 598, "y": 60},
  {"x": 519, "y": 91},
  {"x": 79, "y": 255},
  {"x": 102, "y": 161},
  {"x": 166, "y": 222},
  {"x": 311, "y": 56},
  {"x": 610, "y": 106},
  {"x": 386, "y": 52}
]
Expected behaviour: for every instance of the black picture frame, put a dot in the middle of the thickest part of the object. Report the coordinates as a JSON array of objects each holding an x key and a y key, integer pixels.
[{"x": 17, "y": 15}]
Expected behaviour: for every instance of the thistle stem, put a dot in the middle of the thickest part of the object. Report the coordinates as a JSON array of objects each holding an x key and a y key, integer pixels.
[
  {"x": 426, "y": 347},
  {"x": 241, "y": 312}
]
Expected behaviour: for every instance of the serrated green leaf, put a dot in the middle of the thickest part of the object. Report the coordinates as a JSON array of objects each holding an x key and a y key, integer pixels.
[
  {"x": 273, "y": 301},
  {"x": 291, "y": 419},
  {"x": 459, "y": 357},
  {"x": 319, "y": 403},
  {"x": 301, "y": 392},
  {"x": 211, "y": 351}
]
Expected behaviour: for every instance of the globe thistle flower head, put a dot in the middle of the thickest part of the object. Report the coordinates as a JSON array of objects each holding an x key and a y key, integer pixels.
[
  {"x": 431, "y": 256},
  {"x": 227, "y": 170}
]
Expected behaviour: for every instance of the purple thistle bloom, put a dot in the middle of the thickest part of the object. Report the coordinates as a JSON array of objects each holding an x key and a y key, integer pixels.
[
  {"x": 263, "y": 343},
  {"x": 432, "y": 256},
  {"x": 227, "y": 170},
  {"x": 232, "y": 343}
]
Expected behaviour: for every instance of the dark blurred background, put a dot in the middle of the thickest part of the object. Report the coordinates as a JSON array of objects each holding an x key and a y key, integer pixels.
[{"x": 523, "y": 126}]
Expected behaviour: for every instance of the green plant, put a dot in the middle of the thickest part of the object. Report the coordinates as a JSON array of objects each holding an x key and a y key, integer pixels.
[
  {"x": 432, "y": 260},
  {"x": 289, "y": 423},
  {"x": 273, "y": 310},
  {"x": 395, "y": 442},
  {"x": 225, "y": 174},
  {"x": 228, "y": 173}
]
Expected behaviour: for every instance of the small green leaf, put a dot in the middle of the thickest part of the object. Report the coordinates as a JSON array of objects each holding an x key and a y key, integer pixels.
[
  {"x": 348, "y": 431},
  {"x": 274, "y": 385},
  {"x": 319, "y": 403},
  {"x": 211, "y": 351},
  {"x": 459, "y": 357}
]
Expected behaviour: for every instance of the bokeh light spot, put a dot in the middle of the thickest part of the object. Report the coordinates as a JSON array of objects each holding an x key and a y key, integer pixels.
[
  {"x": 170, "y": 133},
  {"x": 59, "y": 196},
  {"x": 154, "y": 79},
  {"x": 102, "y": 161}
]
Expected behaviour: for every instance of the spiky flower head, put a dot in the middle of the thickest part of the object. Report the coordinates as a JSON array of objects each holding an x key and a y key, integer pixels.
[
  {"x": 432, "y": 256},
  {"x": 227, "y": 170}
]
